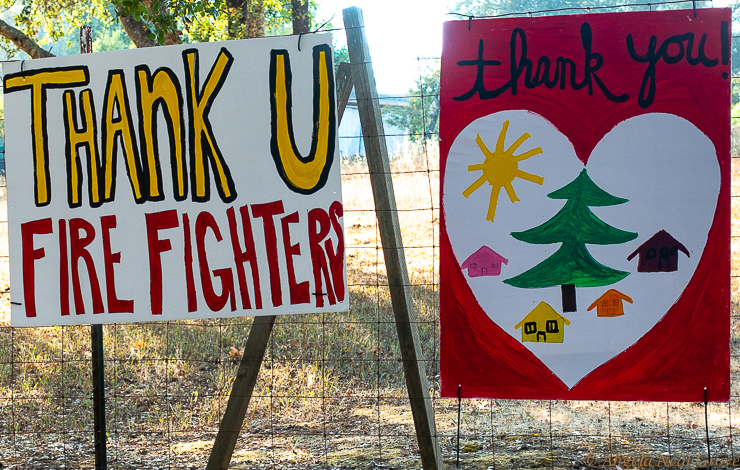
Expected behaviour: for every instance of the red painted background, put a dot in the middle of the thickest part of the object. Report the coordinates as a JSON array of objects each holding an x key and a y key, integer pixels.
[{"x": 688, "y": 349}]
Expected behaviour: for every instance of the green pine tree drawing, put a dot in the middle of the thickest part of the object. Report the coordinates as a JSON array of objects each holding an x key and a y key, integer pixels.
[{"x": 574, "y": 226}]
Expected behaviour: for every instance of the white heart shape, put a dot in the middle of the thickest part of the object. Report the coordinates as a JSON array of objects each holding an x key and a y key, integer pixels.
[{"x": 664, "y": 166}]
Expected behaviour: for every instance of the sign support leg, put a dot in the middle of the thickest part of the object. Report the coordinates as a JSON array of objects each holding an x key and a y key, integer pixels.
[
  {"x": 390, "y": 234},
  {"x": 256, "y": 345},
  {"x": 241, "y": 393}
]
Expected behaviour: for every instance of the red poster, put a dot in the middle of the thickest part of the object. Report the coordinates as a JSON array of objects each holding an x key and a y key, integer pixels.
[{"x": 585, "y": 232}]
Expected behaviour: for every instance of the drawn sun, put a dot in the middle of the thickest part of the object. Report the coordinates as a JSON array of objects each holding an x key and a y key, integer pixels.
[{"x": 501, "y": 167}]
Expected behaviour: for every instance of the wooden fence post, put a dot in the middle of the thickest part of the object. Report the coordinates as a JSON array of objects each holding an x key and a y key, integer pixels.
[
  {"x": 256, "y": 345},
  {"x": 378, "y": 163}
]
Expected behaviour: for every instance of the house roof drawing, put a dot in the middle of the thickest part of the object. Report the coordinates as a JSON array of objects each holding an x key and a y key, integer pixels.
[
  {"x": 542, "y": 311},
  {"x": 661, "y": 238},
  {"x": 608, "y": 294},
  {"x": 484, "y": 255}
]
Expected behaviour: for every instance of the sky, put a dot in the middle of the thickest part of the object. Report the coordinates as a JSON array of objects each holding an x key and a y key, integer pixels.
[{"x": 398, "y": 31}]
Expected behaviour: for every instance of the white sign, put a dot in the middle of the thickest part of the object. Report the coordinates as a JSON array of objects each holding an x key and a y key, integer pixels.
[{"x": 191, "y": 181}]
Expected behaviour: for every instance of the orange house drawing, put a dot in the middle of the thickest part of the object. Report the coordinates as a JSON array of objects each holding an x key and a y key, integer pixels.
[
  {"x": 610, "y": 304},
  {"x": 543, "y": 325}
]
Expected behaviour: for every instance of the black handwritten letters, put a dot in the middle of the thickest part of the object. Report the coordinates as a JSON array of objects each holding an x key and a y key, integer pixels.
[
  {"x": 104, "y": 138},
  {"x": 118, "y": 135},
  {"x": 562, "y": 72},
  {"x": 671, "y": 55}
]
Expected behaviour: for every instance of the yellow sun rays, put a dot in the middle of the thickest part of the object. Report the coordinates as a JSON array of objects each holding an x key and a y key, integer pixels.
[{"x": 501, "y": 167}]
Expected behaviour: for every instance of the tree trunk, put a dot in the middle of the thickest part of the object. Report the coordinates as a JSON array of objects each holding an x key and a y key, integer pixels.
[
  {"x": 255, "y": 19},
  {"x": 569, "y": 297},
  {"x": 236, "y": 18},
  {"x": 137, "y": 31},
  {"x": 246, "y": 19},
  {"x": 301, "y": 18},
  {"x": 170, "y": 37}
]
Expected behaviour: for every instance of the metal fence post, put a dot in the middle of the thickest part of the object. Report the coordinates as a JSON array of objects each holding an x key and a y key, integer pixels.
[
  {"x": 96, "y": 338},
  {"x": 98, "y": 378}
]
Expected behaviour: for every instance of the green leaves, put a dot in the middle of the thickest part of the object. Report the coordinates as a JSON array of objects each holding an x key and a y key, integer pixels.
[
  {"x": 145, "y": 22},
  {"x": 164, "y": 18}
]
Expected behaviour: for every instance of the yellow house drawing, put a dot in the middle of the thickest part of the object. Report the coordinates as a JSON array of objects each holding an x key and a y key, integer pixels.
[{"x": 543, "y": 325}]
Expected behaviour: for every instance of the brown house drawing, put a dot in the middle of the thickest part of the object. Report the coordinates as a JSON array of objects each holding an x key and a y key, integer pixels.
[
  {"x": 658, "y": 254},
  {"x": 484, "y": 262},
  {"x": 610, "y": 304}
]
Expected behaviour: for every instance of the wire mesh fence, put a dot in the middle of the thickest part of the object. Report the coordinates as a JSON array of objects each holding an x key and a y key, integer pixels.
[{"x": 331, "y": 393}]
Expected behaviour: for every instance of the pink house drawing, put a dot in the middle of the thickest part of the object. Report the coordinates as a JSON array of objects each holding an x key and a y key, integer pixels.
[{"x": 484, "y": 262}]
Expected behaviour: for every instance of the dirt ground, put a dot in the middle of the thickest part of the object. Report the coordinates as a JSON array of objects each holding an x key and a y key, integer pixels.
[{"x": 353, "y": 436}]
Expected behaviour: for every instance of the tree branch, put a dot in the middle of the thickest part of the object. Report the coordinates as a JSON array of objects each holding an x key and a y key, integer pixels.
[
  {"x": 23, "y": 42},
  {"x": 137, "y": 31}
]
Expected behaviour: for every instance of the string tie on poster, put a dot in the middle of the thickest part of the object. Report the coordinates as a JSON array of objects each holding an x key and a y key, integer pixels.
[
  {"x": 300, "y": 35},
  {"x": 694, "y": 4},
  {"x": 470, "y": 20},
  {"x": 322, "y": 26},
  {"x": 22, "y": 62}
]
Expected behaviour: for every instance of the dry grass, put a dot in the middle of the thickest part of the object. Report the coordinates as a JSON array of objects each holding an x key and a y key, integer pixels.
[{"x": 331, "y": 393}]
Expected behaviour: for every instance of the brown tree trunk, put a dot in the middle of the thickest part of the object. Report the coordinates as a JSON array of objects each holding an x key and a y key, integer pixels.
[
  {"x": 569, "y": 297},
  {"x": 246, "y": 19},
  {"x": 137, "y": 31},
  {"x": 301, "y": 18},
  {"x": 255, "y": 19},
  {"x": 235, "y": 15},
  {"x": 170, "y": 37}
]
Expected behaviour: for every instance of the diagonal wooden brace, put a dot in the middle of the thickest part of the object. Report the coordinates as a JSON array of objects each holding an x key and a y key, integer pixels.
[{"x": 256, "y": 345}]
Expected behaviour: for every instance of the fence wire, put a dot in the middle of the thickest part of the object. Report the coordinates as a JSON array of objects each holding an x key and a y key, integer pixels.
[{"x": 331, "y": 393}]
